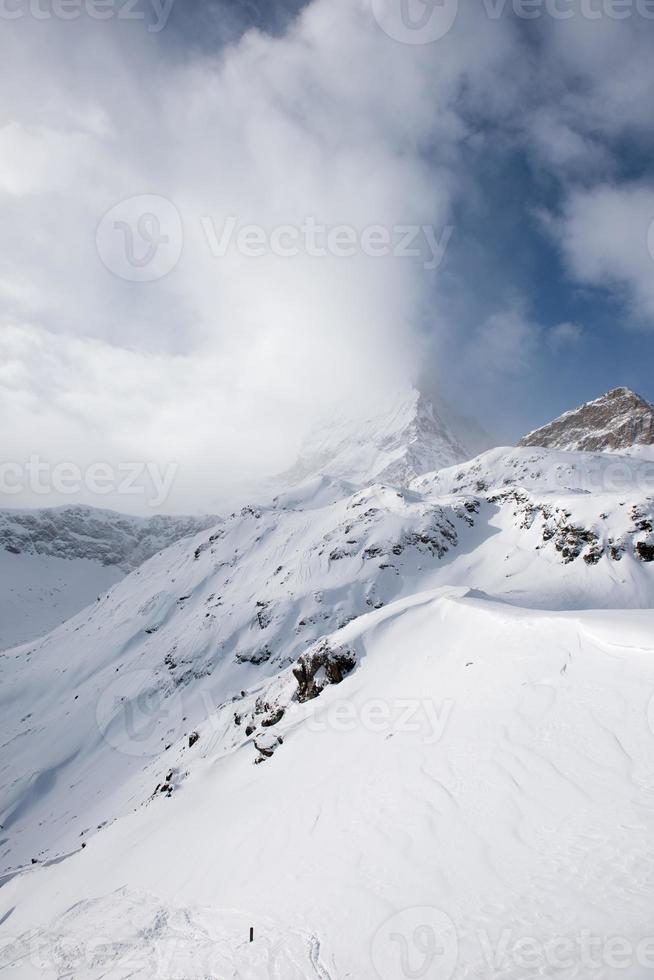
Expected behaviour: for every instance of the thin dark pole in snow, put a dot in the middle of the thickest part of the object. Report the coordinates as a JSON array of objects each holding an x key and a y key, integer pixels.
[{"x": 251, "y": 934}]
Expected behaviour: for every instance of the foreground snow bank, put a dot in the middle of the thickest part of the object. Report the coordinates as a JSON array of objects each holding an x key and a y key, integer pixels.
[{"x": 477, "y": 790}]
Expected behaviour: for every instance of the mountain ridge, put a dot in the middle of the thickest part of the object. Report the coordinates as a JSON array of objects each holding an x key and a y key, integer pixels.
[
  {"x": 80, "y": 531},
  {"x": 618, "y": 420},
  {"x": 392, "y": 442}
]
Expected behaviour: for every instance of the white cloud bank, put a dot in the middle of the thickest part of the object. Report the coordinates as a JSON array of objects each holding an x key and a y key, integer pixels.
[
  {"x": 221, "y": 365},
  {"x": 607, "y": 235}
]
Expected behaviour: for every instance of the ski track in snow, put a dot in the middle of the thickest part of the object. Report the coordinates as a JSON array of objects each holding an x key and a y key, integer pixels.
[{"x": 133, "y": 935}]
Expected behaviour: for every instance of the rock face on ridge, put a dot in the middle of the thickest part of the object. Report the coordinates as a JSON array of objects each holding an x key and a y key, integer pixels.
[{"x": 620, "y": 419}]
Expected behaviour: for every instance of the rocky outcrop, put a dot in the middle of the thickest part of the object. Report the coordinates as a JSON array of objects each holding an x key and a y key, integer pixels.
[
  {"x": 320, "y": 667},
  {"x": 618, "y": 420}
]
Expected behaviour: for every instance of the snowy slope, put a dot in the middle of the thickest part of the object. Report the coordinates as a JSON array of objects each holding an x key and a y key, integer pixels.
[
  {"x": 484, "y": 772},
  {"x": 38, "y": 592},
  {"x": 55, "y": 561},
  {"x": 402, "y": 696},
  {"x": 566, "y": 530},
  {"x": 221, "y": 613}
]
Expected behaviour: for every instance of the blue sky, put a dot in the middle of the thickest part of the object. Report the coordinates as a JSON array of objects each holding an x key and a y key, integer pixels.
[{"x": 512, "y": 252}]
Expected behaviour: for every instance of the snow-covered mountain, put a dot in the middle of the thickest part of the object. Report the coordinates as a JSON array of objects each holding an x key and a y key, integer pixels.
[
  {"x": 58, "y": 560},
  {"x": 618, "y": 420},
  {"x": 411, "y": 696},
  {"x": 98, "y": 535},
  {"x": 391, "y": 443},
  {"x": 55, "y": 561}
]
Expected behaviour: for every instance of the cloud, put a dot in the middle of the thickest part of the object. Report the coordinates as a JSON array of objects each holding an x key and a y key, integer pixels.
[
  {"x": 565, "y": 336},
  {"x": 225, "y": 360},
  {"x": 503, "y": 346},
  {"x": 223, "y": 363},
  {"x": 607, "y": 236}
]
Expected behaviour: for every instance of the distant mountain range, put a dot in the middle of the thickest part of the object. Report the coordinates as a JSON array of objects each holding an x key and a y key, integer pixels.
[
  {"x": 98, "y": 535},
  {"x": 54, "y": 561}
]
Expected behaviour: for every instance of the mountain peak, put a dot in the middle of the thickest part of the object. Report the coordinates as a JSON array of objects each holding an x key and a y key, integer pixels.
[
  {"x": 392, "y": 442},
  {"x": 619, "y": 419}
]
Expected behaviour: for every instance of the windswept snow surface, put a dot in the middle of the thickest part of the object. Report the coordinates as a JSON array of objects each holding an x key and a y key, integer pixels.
[
  {"x": 482, "y": 779},
  {"x": 38, "y": 593},
  {"x": 393, "y": 730}
]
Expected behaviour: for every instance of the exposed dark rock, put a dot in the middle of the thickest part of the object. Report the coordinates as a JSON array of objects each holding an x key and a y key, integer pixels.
[
  {"x": 273, "y": 718},
  {"x": 645, "y": 551},
  {"x": 616, "y": 551},
  {"x": 618, "y": 420},
  {"x": 320, "y": 667},
  {"x": 256, "y": 657},
  {"x": 338, "y": 553},
  {"x": 570, "y": 542},
  {"x": 266, "y": 745},
  {"x": 642, "y": 521},
  {"x": 264, "y": 615}
]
